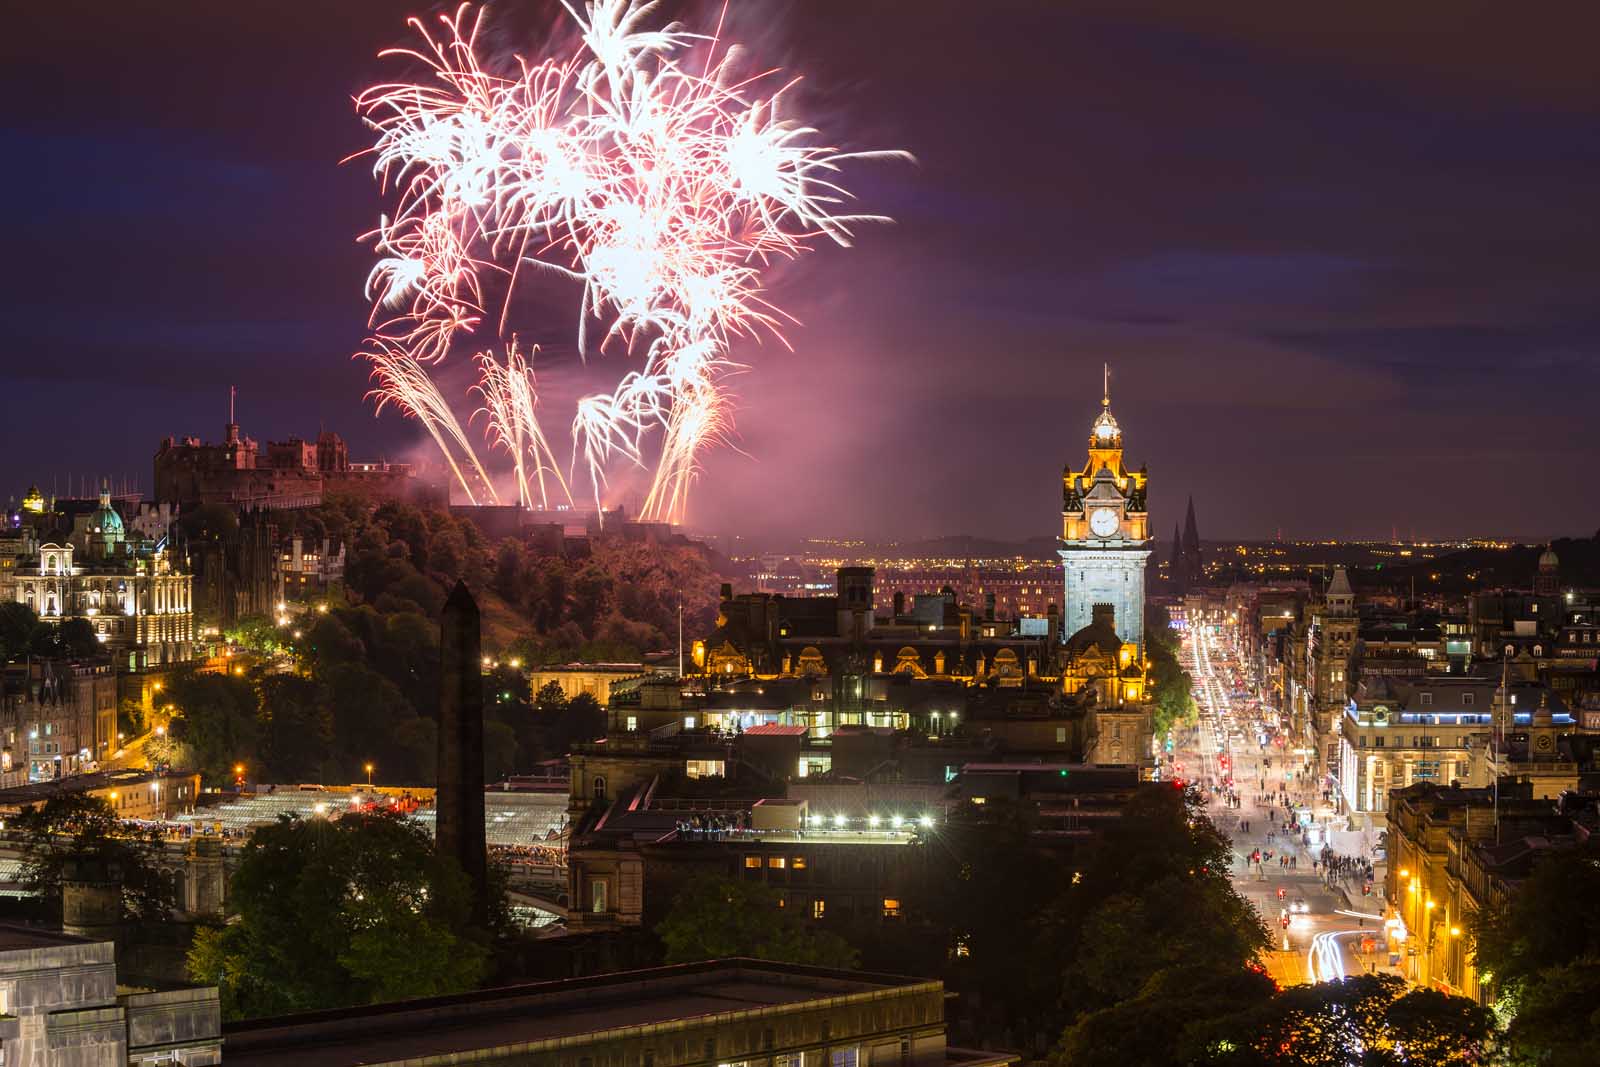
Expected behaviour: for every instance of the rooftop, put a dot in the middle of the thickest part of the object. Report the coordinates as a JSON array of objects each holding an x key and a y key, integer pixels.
[
  {"x": 15, "y": 937},
  {"x": 35, "y": 792},
  {"x": 546, "y": 1014}
]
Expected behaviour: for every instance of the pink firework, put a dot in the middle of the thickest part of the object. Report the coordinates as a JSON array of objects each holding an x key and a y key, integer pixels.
[{"x": 662, "y": 192}]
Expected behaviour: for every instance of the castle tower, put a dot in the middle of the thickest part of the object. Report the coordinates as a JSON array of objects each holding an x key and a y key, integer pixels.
[
  {"x": 459, "y": 804},
  {"x": 1105, "y": 533}
]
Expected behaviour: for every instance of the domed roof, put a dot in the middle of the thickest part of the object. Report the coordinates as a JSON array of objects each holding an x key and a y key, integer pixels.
[
  {"x": 1105, "y": 429},
  {"x": 33, "y": 500},
  {"x": 1548, "y": 560},
  {"x": 105, "y": 520}
]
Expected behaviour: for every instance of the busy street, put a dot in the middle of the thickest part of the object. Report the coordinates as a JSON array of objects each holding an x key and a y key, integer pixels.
[{"x": 1317, "y": 904}]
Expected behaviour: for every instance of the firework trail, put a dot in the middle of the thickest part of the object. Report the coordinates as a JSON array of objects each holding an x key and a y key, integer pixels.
[
  {"x": 510, "y": 396},
  {"x": 402, "y": 381},
  {"x": 662, "y": 188}
]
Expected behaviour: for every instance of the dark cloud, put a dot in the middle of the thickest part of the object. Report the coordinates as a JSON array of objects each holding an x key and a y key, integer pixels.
[{"x": 1341, "y": 259}]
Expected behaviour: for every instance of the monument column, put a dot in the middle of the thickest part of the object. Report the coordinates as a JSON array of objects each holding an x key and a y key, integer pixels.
[{"x": 459, "y": 801}]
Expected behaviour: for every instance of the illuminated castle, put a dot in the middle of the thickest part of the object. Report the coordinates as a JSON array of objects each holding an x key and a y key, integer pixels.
[{"x": 1105, "y": 534}]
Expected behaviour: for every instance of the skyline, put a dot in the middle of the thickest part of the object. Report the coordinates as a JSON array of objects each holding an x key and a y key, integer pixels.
[{"x": 1393, "y": 225}]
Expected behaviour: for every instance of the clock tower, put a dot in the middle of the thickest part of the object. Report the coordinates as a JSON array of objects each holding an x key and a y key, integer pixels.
[{"x": 1105, "y": 533}]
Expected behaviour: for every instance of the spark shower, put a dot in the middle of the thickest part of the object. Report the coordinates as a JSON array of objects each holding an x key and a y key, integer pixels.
[{"x": 642, "y": 170}]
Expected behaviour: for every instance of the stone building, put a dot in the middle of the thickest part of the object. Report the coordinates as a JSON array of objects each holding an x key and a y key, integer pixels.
[
  {"x": 1444, "y": 729},
  {"x": 57, "y": 718},
  {"x": 1330, "y": 641},
  {"x": 720, "y": 1012},
  {"x": 135, "y": 594},
  {"x": 598, "y": 680},
  {"x": 60, "y": 1007},
  {"x": 238, "y": 568},
  {"x": 1456, "y": 852}
]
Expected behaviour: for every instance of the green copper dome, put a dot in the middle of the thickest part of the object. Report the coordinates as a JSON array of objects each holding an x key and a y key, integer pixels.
[{"x": 105, "y": 521}]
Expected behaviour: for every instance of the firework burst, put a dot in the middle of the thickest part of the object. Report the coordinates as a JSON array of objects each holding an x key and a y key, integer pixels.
[{"x": 662, "y": 192}]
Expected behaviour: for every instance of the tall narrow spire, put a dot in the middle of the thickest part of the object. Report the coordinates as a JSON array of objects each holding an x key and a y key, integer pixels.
[{"x": 1105, "y": 392}]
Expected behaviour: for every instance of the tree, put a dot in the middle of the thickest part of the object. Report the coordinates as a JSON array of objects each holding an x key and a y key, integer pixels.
[
  {"x": 1558, "y": 1015},
  {"x": 1185, "y": 999},
  {"x": 356, "y": 910},
  {"x": 76, "y": 639},
  {"x": 370, "y": 716},
  {"x": 499, "y": 751},
  {"x": 218, "y": 720},
  {"x": 78, "y": 835},
  {"x": 1367, "y": 1019},
  {"x": 296, "y": 728},
  {"x": 1171, "y": 688},
  {"x": 1543, "y": 956},
  {"x": 1137, "y": 934},
  {"x": 713, "y": 917},
  {"x": 18, "y": 622}
]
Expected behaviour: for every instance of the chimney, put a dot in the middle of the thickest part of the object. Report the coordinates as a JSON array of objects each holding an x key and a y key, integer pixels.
[
  {"x": 899, "y": 603},
  {"x": 459, "y": 804}
]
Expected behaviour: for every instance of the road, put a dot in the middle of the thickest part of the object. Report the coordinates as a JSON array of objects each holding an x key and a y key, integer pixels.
[{"x": 1227, "y": 754}]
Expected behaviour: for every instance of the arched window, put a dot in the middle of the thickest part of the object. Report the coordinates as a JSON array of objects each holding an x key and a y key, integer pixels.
[{"x": 599, "y": 787}]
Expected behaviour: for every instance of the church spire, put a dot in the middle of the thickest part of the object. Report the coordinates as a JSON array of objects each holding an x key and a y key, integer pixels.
[
  {"x": 1105, "y": 393},
  {"x": 1191, "y": 544}
]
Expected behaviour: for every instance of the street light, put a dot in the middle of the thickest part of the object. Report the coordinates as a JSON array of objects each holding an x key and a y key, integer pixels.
[{"x": 369, "y": 776}]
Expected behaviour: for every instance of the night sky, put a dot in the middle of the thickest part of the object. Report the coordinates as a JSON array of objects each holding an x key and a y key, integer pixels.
[{"x": 1344, "y": 270}]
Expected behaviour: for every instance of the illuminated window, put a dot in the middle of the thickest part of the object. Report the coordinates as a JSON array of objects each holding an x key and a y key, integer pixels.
[
  {"x": 799, "y": 863},
  {"x": 776, "y": 862},
  {"x": 752, "y": 863},
  {"x": 818, "y": 908},
  {"x": 891, "y": 907}
]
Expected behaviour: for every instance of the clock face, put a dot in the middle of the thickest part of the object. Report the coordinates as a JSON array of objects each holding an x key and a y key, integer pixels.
[
  {"x": 1545, "y": 742},
  {"x": 1103, "y": 522}
]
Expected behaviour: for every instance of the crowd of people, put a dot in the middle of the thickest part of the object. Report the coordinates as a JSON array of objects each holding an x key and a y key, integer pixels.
[
  {"x": 713, "y": 826},
  {"x": 1336, "y": 867},
  {"x": 530, "y": 854}
]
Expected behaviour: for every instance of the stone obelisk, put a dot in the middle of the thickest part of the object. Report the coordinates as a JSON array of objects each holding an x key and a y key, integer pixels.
[{"x": 459, "y": 803}]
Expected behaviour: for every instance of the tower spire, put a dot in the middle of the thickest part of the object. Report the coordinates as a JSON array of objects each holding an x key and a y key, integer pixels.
[{"x": 1105, "y": 393}]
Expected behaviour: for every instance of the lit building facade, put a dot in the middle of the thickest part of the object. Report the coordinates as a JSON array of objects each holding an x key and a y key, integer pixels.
[
  {"x": 1105, "y": 534},
  {"x": 136, "y": 597}
]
